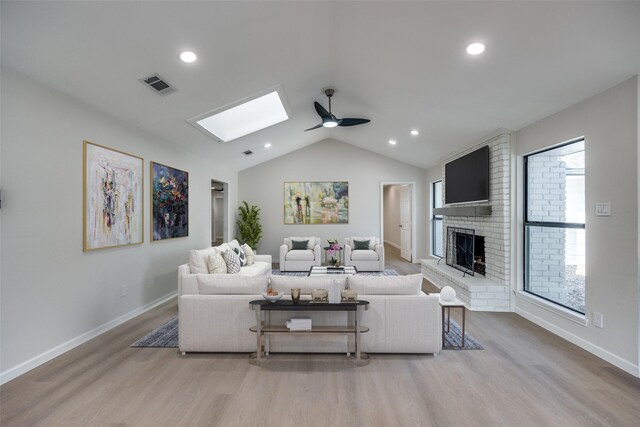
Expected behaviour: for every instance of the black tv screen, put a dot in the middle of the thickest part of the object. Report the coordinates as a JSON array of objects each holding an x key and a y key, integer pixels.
[{"x": 467, "y": 178}]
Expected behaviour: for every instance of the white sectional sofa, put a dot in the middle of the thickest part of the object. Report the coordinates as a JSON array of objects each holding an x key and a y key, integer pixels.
[
  {"x": 198, "y": 261},
  {"x": 215, "y": 316}
]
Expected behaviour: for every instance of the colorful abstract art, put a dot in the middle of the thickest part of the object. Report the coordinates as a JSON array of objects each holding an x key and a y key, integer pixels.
[
  {"x": 316, "y": 202},
  {"x": 169, "y": 202},
  {"x": 113, "y": 208}
]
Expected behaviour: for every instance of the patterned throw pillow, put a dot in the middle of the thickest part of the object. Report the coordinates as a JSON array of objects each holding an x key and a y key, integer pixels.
[
  {"x": 249, "y": 253},
  {"x": 216, "y": 264},
  {"x": 299, "y": 244},
  {"x": 233, "y": 262},
  {"x": 361, "y": 244},
  {"x": 241, "y": 255}
]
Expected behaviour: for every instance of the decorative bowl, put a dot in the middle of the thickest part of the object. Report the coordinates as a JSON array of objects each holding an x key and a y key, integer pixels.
[{"x": 272, "y": 298}]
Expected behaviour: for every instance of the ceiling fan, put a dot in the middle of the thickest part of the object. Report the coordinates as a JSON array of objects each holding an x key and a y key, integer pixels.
[{"x": 328, "y": 119}]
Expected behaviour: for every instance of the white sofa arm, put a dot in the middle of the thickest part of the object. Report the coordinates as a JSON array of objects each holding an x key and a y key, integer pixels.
[
  {"x": 283, "y": 255},
  {"x": 347, "y": 252},
  {"x": 187, "y": 282},
  {"x": 380, "y": 251},
  {"x": 317, "y": 257},
  {"x": 263, "y": 258}
]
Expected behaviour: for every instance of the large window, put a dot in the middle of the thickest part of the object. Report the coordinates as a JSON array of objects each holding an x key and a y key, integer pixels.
[
  {"x": 436, "y": 220},
  {"x": 554, "y": 228}
]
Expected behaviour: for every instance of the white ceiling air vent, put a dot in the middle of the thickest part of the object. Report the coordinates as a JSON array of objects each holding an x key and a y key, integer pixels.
[
  {"x": 247, "y": 153},
  {"x": 158, "y": 85}
]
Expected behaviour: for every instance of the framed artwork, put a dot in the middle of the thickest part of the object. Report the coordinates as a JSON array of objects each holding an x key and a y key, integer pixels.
[
  {"x": 169, "y": 202},
  {"x": 316, "y": 202},
  {"x": 112, "y": 198}
]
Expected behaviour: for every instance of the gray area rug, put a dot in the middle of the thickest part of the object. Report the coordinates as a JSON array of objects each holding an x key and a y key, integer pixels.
[
  {"x": 166, "y": 336},
  {"x": 453, "y": 339},
  {"x": 386, "y": 272}
]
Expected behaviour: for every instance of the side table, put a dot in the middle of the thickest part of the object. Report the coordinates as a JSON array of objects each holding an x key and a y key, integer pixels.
[{"x": 446, "y": 307}]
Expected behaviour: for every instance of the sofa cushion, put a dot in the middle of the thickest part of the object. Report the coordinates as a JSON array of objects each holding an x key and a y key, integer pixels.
[
  {"x": 299, "y": 244},
  {"x": 386, "y": 285},
  {"x": 311, "y": 241},
  {"x": 198, "y": 260},
  {"x": 249, "y": 253},
  {"x": 209, "y": 284},
  {"x": 232, "y": 260},
  {"x": 364, "y": 255},
  {"x": 306, "y": 284},
  {"x": 216, "y": 264},
  {"x": 258, "y": 268},
  {"x": 243, "y": 257},
  {"x": 361, "y": 244},
  {"x": 371, "y": 239},
  {"x": 233, "y": 244},
  {"x": 300, "y": 255}
]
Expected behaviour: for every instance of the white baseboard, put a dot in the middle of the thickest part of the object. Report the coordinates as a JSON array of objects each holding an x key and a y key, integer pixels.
[
  {"x": 42, "y": 358},
  {"x": 621, "y": 363},
  {"x": 386, "y": 242}
]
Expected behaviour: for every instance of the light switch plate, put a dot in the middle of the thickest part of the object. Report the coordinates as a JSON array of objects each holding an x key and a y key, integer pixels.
[
  {"x": 603, "y": 208},
  {"x": 598, "y": 320}
]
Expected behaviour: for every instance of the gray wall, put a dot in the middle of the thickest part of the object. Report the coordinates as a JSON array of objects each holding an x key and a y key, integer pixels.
[
  {"x": 609, "y": 123},
  {"x": 330, "y": 160},
  {"x": 54, "y": 294}
]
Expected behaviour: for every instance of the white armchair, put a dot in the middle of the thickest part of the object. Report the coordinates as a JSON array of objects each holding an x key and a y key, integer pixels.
[
  {"x": 300, "y": 259},
  {"x": 370, "y": 259}
]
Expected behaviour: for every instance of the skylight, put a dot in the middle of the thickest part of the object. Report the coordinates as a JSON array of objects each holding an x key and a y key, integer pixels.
[{"x": 240, "y": 119}]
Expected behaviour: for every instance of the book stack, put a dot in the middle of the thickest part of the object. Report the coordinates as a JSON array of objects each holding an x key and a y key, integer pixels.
[{"x": 299, "y": 324}]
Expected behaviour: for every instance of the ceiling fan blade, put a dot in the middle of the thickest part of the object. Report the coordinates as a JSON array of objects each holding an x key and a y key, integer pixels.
[
  {"x": 352, "y": 122},
  {"x": 315, "y": 127},
  {"x": 321, "y": 110}
]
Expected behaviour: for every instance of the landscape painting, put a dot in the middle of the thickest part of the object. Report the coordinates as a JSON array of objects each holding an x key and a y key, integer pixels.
[
  {"x": 169, "y": 202},
  {"x": 113, "y": 208},
  {"x": 316, "y": 202}
]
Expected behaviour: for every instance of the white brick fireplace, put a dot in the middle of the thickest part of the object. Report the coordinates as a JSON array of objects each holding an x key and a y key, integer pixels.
[{"x": 490, "y": 292}]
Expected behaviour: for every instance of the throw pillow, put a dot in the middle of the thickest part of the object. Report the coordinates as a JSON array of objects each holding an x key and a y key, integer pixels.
[
  {"x": 241, "y": 255},
  {"x": 299, "y": 244},
  {"x": 249, "y": 253},
  {"x": 216, "y": 264},
  {"x": 361, "y": 244},
  {"x": 233, "y": 262}
]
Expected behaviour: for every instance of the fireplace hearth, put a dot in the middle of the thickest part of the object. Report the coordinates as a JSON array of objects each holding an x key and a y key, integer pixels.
[{"x": 465, "y": 251}]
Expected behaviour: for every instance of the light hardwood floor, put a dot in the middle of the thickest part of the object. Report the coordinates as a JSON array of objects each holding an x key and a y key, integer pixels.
[{"x": 526, "y": 376}]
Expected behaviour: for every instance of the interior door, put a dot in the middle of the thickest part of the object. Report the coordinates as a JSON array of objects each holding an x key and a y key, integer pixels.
[{"x": 405, "y": 223}]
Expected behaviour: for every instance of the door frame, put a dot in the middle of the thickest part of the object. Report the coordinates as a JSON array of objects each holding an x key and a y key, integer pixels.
[
  {"x": 412, "y": 184},
  {"x": 227, "y": 211}
]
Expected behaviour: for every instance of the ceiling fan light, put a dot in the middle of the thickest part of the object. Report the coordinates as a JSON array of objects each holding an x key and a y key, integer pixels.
[{"x": 329, "y": 123}]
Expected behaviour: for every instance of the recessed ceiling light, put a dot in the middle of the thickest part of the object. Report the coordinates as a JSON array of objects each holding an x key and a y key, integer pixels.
[
  {"x": 188, "y": 56},
  {"x": 244, "y": 117},
  {"x": 415, "y": 132},
  {"x": 267, "y": 145},
  {"x": 475, "y": 48},
  {"x": 393, "y": 142}
]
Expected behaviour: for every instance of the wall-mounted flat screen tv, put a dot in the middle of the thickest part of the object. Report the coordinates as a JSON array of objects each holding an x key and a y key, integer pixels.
[{"x": 467, "y": 178}]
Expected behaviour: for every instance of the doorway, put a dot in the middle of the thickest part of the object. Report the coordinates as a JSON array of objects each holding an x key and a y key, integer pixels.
[
  {"x": 219, "y": 209},
  {"x": 398, "y": 217}
]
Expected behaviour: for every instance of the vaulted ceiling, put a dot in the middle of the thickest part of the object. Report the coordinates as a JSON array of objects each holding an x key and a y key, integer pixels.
[{"x": 402, "y": 65}]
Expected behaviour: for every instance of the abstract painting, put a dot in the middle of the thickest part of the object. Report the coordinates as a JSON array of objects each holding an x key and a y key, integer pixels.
[
  {"x": 316, "y": 202},
  {"x": 169, "y": 202},
  {"x": 113, "y": 209}
]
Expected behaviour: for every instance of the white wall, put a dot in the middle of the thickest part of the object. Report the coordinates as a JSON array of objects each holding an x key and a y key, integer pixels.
[
  {"x": 330, "y": 160},
  {"x": 609, "y": 122},
  {"x": 391, "y": 209},
  {"x": 54, "y": 294}
]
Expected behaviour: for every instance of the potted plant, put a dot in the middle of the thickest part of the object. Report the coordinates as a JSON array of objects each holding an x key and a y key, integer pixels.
[{"x": 249, "y": 228}]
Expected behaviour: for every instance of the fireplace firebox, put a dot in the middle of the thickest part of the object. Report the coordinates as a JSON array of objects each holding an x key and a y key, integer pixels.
[{"x": 465, "y": 250}]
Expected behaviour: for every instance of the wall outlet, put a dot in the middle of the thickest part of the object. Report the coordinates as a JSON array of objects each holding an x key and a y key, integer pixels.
[
  {"x": 123, "y": 290},
  {"x": 598, "y": 320}
]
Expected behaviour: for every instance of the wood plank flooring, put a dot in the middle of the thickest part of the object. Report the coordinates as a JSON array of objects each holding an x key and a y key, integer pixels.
[{"x": 526, "y": 376}]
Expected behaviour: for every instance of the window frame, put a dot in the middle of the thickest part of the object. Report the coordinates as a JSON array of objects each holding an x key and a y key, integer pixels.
[
  {"x": 435, "y": 218},
  {"x": 549, "y": 224}
]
